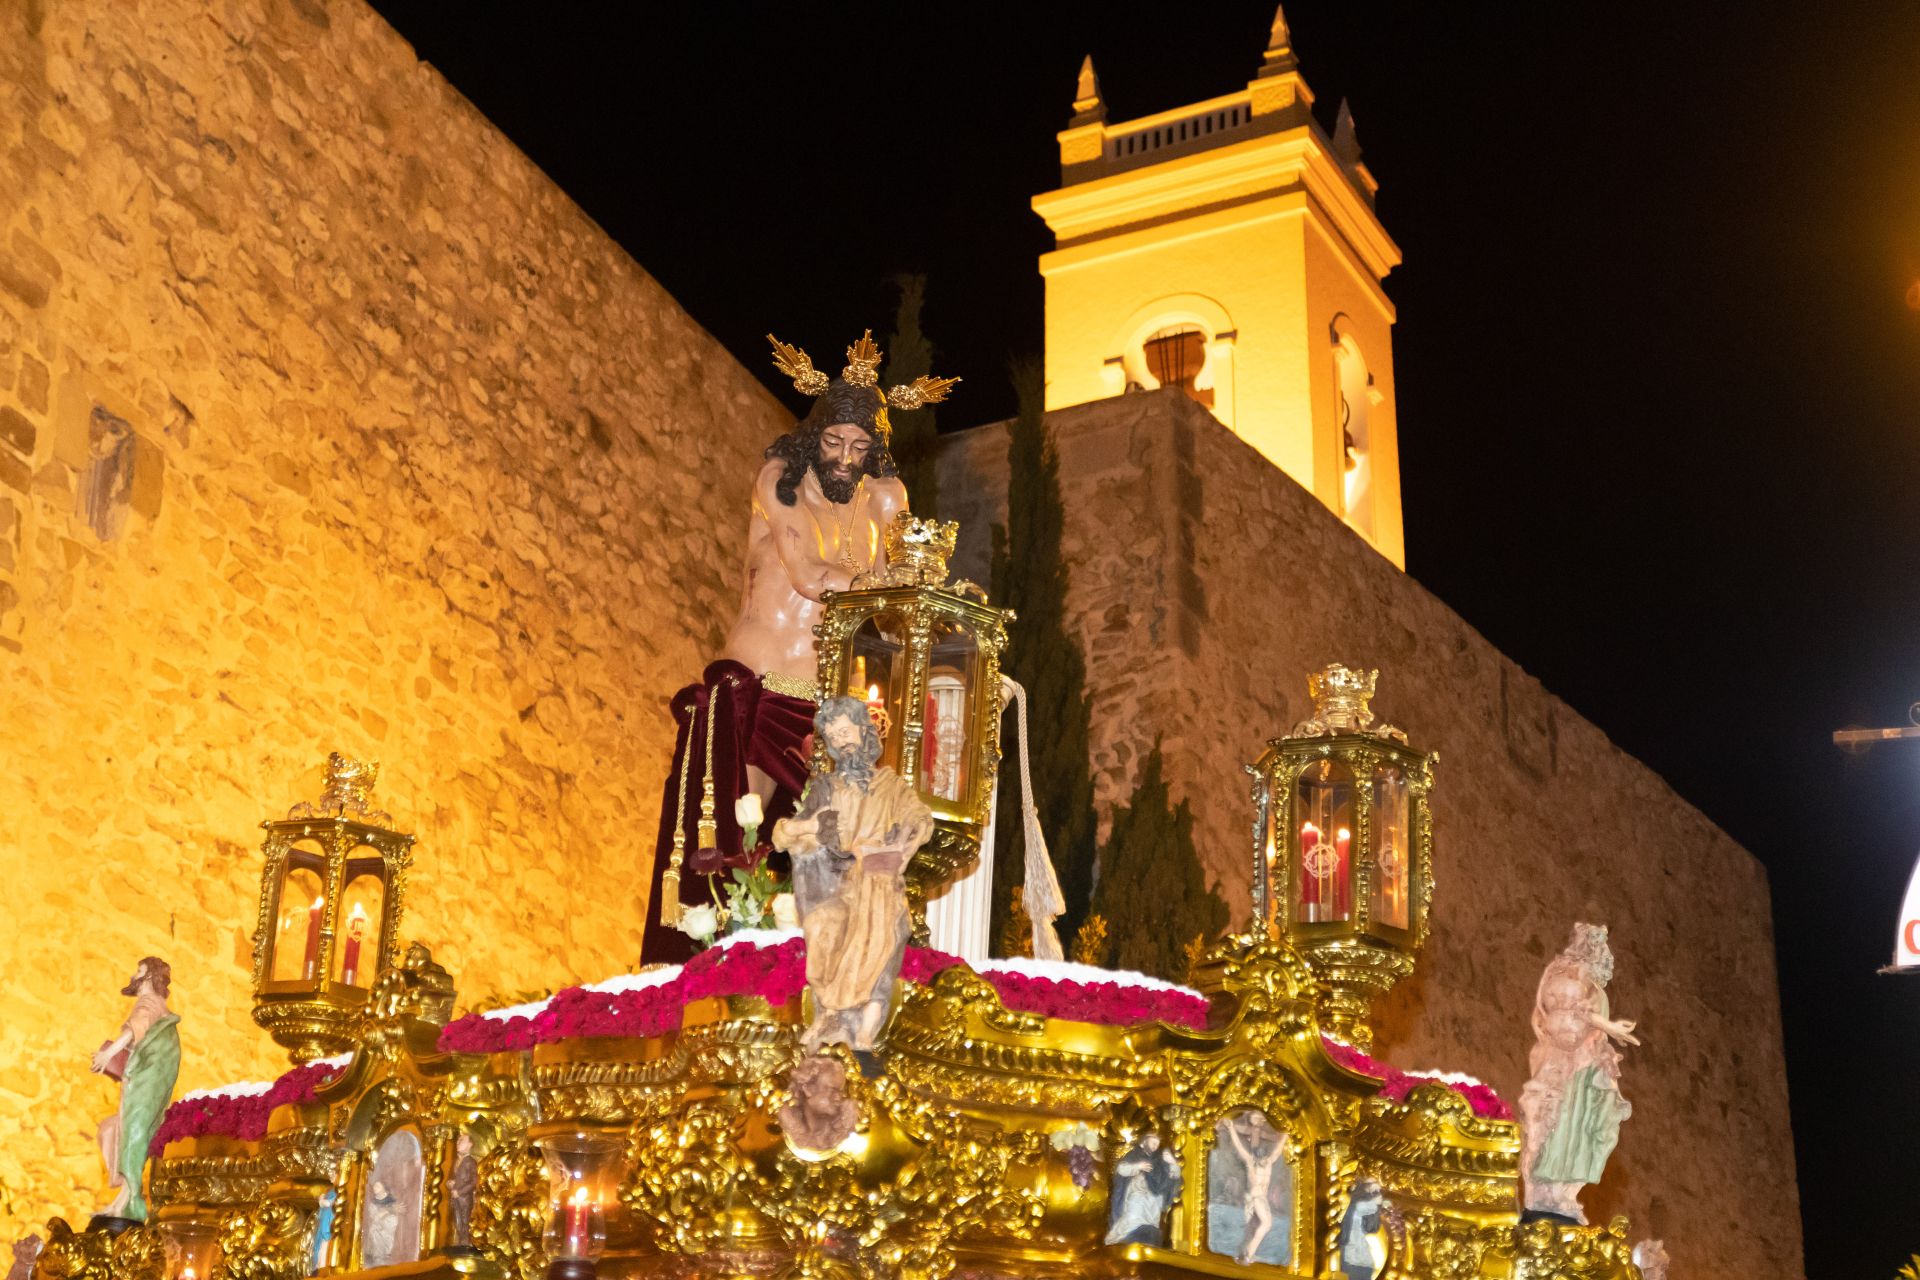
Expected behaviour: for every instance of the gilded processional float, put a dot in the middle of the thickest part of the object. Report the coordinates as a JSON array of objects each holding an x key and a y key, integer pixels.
[{"x": 816, "y": 1090}]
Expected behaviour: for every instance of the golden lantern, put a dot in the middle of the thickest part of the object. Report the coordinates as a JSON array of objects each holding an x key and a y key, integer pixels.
[
  {"x": 1342, "y": 859},
  {"x": 330, "y": 902},
  {"x": 925, "y": 658}
]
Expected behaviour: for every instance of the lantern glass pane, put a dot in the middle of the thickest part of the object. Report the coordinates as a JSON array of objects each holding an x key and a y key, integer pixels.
[
  {"x": 296, "y": 928},
  {"x": 356, "y": 952},
  {"x": 946, "y": 739},
  {"x": 1323, "y": 819},
  {"x": 878, "y": 677},
  {"x": 1392, "y": 850}
]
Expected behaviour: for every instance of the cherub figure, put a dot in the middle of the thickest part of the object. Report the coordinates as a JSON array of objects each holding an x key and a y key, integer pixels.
[{"x": 819, "y": 1115}]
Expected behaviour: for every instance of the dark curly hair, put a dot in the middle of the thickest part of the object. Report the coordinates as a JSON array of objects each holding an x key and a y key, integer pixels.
[
  {"x": 842, "y": 401},
  {"x": 158, "y": 971}
]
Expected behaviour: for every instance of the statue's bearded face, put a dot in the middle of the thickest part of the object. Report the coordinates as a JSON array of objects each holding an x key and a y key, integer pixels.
[
  {"x": 840, "y": 458},
  {"x": 852, "y": 742}
]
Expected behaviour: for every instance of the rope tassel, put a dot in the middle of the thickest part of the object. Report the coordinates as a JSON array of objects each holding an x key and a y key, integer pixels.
[
  {"x": 670, "y": 882},
  {"x": 1042, "y": 894}
]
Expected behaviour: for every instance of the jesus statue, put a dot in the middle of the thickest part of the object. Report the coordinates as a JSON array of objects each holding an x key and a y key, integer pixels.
[
  {"x": 822, "y": 500},
  {"x": 856, "y": 828}
]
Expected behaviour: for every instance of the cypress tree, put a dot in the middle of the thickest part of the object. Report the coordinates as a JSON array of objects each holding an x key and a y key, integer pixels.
[
  {"x": 1030, "y": 575},
  {"x": 915, "y": 432},
  {"x": 1152, "y": 888}
]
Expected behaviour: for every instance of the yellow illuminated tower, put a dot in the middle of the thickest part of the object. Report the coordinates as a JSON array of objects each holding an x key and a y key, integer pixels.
[{"x": 1231, "y": 248}]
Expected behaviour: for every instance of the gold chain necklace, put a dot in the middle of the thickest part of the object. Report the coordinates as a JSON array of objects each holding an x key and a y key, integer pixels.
[{"x": 847, "y": 561}]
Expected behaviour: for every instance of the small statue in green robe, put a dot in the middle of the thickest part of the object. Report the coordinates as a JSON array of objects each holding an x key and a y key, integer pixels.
[{"x": 145, "y": 1059}]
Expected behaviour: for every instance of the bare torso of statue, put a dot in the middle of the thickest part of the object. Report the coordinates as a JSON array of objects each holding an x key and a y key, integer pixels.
[{"x": 795, "y": 554}]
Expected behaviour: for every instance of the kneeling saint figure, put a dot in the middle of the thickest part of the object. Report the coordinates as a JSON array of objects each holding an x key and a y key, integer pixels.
[{"x": 857, "y": 826}]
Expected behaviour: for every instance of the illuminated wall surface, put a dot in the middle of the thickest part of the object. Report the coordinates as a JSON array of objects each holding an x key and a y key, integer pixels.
[
  {"x": 1203, "y": 589},
  {"x": 325, "y": 421},
  {"x": 1239, "y": 221}
]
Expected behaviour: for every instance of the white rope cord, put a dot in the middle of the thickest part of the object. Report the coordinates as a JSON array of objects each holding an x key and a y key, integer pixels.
[{"x": 1042, "y": 894}]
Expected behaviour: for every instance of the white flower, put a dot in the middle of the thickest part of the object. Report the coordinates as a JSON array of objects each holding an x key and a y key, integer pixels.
[
  {"x": 786, "y": 912},
  {"x": 747, "y": 811},
  {"x": 700, "y": 923}
]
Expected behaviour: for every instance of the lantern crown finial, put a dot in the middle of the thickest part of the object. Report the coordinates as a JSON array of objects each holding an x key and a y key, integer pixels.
[
  {"x": 917, "y": 554},
  {"x": 348, "y": 793},
  {"x": 1340, "y": 696}
]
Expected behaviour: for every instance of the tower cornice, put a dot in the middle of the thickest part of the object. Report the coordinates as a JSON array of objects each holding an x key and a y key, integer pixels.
[{"x": 1200, "y": 181}]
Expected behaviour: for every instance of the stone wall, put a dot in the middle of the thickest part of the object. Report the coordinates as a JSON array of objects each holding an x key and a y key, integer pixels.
[
  {"x": 326, "y": 421},
  {"x": 1206, "y": 584}
]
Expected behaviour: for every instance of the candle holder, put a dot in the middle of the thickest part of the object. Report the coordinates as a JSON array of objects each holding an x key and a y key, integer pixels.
[
  {"x": 1343, "y": 847},
  {"x": 330, "y": 901},
  {"x": 583, "y": 1174},
  {"x": 191, "y": 1248}
]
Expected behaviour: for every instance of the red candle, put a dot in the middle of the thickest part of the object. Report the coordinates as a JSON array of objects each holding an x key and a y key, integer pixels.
[
  {"x": 313, "y": 936},
  {"x": 579, "y": 1224},
  {"x": 930, "y": 743},
  {"x": 356, "y": 929},
  {"x": 1310, "y": 877},
  {"x": 1342, "y": 841}
]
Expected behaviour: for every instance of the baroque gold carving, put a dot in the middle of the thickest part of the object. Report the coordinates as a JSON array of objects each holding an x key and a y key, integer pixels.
[
  {"x": 138, "y": 1253},
  {"x": 510, "y": 1208},
  {"x": 267, "y": 1241}
]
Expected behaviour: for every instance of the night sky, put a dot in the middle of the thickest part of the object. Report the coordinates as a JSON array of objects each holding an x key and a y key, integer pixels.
[{"x": 1658, "y": 373}]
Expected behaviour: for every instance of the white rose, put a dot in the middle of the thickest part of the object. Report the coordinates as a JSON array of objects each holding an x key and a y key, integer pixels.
[
  {"x": 786, "y": 912},
  {"x": 700, "y": 923},
  {"x": 747, "y": 811}
]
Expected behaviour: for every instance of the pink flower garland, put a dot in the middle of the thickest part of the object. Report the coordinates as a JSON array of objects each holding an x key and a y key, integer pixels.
[
  {"x": 239, "y": 1116},
  {"x": 1397, "y": 1084},
  {"x": 775, "y": 974},
  {"x": 1108, "y": 1003},
  {"x": 778, "y": 974}
]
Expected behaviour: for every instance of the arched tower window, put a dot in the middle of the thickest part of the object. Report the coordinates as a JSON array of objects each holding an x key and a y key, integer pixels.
[
  {"x": 1355, "y": 408},
  {"x": 1183, "y": 340},
  {"x": 1177, "y": 357}
]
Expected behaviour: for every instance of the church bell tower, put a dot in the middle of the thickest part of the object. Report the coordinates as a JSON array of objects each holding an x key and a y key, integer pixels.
[{"x": 1231, "y": 248}]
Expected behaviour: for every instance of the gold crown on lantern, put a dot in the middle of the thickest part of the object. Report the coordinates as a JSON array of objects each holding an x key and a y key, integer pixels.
[
  {"x": 1340, "y": 696},
  {"x": 862, "y": 370},
  {"x": 348, "y": 793},
  {"x": 926, "y": 545}
]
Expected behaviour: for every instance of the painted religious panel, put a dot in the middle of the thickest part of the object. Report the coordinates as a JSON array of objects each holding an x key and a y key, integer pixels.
[
  {"x": 390, "y": 1222},
  {"x": 1250, "y": 1191}
]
